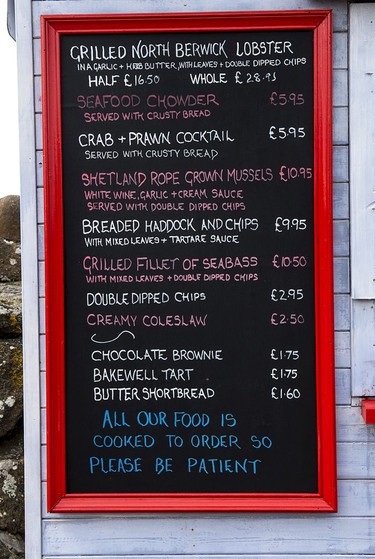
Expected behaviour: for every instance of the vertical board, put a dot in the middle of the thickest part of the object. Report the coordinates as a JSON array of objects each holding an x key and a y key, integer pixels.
[
  {"x": 362, "y": 134},
  {"x": 362, "y": 199},
  {"x": 363, "y": 348}
]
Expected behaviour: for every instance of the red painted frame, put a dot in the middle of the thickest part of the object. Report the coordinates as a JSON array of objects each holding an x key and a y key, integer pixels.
[
  {"x": 53, "y": 27},
  {"x": 368, "y": 411}
]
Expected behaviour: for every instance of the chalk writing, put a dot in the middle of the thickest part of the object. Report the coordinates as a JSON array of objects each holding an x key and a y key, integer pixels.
[{"x": 188, "y": 195}]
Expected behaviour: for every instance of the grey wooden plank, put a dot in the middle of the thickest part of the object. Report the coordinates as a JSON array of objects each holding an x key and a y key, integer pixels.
[
  {"x": 342, "y": 312},
  {"x": 38, "y": 93},
  {"x": 342, "y": 349},
  {"x": 42, "y": 346},
  {"x": 43, "y": 452},
  {"x": 42, "y": 314},
  {"x": 43, "y": 389},
  {"x": 343, "y": 394},
  {"x": 362, "y": 135},
  {"x": 363, "y": 347},
  {"x": 221, "y": 534},
  {"x": 216, "y": 556},
  {"x": 356, "y": 460},
  {"x": 40, "y": 205},
  {"x": 341, "y": 200},
  {"x": 41, "y": 277},
  {"x": 340, "y": 88},
  {"x": 37, "y": 55},
  {"x": 38, "y": 131},
  {"x": 39, "y": 168},
  {"x": 340, "y": 126},
  {"x": 41, "y": 243},
  {"x": 350, "y": 426},
  {"x": 340, "y": 164},
  {"x": 341, "y": 275},
  {"x": 340, "y": 51},
  {"x": 341, "y": 237}
]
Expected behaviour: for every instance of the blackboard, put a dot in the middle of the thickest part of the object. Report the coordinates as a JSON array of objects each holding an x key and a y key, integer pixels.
[{"x": 189, "y": 262}]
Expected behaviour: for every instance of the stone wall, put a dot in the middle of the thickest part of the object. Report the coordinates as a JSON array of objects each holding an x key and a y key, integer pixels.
[{"x": 11, "y": 431}]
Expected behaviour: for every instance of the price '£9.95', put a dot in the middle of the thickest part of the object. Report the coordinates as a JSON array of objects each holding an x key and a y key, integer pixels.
[{"x": 286, "y": 224}]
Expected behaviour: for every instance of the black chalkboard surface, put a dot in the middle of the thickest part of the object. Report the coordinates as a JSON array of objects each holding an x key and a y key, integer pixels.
[{"x": 190, "y": 219}]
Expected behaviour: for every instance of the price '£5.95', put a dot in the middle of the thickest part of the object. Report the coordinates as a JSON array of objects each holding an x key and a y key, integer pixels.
[
  {"x": 283, "y": 132},
  {"x": 282, "y": 99}
]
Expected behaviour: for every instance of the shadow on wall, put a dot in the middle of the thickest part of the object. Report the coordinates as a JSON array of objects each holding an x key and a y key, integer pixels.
[{"x": 11, "y": 429}]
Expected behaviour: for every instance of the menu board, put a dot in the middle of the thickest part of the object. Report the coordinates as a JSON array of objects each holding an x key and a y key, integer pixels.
[{"x": 190, "y": 287}]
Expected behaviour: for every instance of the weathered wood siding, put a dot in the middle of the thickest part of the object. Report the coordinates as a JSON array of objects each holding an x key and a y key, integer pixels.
[
  {"x": 350, "y": 532},
  {"x": 362, "y": 179}
]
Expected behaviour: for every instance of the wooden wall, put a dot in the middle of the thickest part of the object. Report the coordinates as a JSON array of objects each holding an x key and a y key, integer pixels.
[{"x": 350, "y": 532}]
